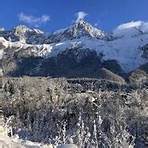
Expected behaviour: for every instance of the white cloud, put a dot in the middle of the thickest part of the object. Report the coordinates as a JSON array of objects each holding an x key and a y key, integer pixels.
[
  {"x": 32, "y": 20},
  {"x": 132, "y": 27},
  {"x": 80, "y": 15},
  {"x": 128, "y": 25}
]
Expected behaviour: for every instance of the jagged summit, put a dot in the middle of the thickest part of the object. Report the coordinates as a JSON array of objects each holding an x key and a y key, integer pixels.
[
  {"x": 83, "y": 28},
  {"x": 24, "y": 29},
  {"x": 78, "y": 29},
  {"x": 28, "y": 35},
  {"x": 23, "y": 34}
]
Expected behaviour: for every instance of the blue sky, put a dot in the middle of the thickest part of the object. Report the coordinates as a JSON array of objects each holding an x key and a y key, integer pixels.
[{"x": 50, "y": 15}]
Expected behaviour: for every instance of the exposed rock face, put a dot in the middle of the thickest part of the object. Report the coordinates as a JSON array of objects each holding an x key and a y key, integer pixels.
[
  {"x": 74, "y": 62},
  {"x": 87, "y": 112},
  {"x": 70, "y": 63}
]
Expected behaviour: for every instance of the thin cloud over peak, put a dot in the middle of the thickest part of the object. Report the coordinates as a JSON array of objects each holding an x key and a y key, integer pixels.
[
  {"x": 33, "y": 20},
  {"x": 80, "y": 15}
]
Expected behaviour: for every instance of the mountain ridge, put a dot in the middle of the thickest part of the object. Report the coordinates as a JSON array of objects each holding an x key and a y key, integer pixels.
[{"x": 129, "y": 51}]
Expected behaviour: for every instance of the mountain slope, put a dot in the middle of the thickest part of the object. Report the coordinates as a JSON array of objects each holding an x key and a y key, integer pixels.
[
  {"x": 76, "y": 31},
  {"x": 127, "y": 46}
]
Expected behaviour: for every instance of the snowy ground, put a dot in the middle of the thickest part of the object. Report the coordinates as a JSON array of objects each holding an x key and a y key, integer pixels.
[{"x": 7, "y": 142}]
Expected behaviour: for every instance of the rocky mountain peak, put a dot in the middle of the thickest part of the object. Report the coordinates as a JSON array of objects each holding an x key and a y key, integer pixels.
[
  {"x": 83, "y": 28},
  {"x": 79, "y": 29},
  {"x": 24, "y": 29},
  {"x": 24, "y": 33}
]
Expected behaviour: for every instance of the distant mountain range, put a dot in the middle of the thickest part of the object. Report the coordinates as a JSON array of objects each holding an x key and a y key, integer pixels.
[{"x": 79, "y": 50}]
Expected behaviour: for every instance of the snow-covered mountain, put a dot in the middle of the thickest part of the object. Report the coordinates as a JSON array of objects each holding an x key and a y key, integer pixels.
[
  {"x": 78, "y": 30},
  {"x": 126, "y": 44},
  {"x": 23, "y": 34}
]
